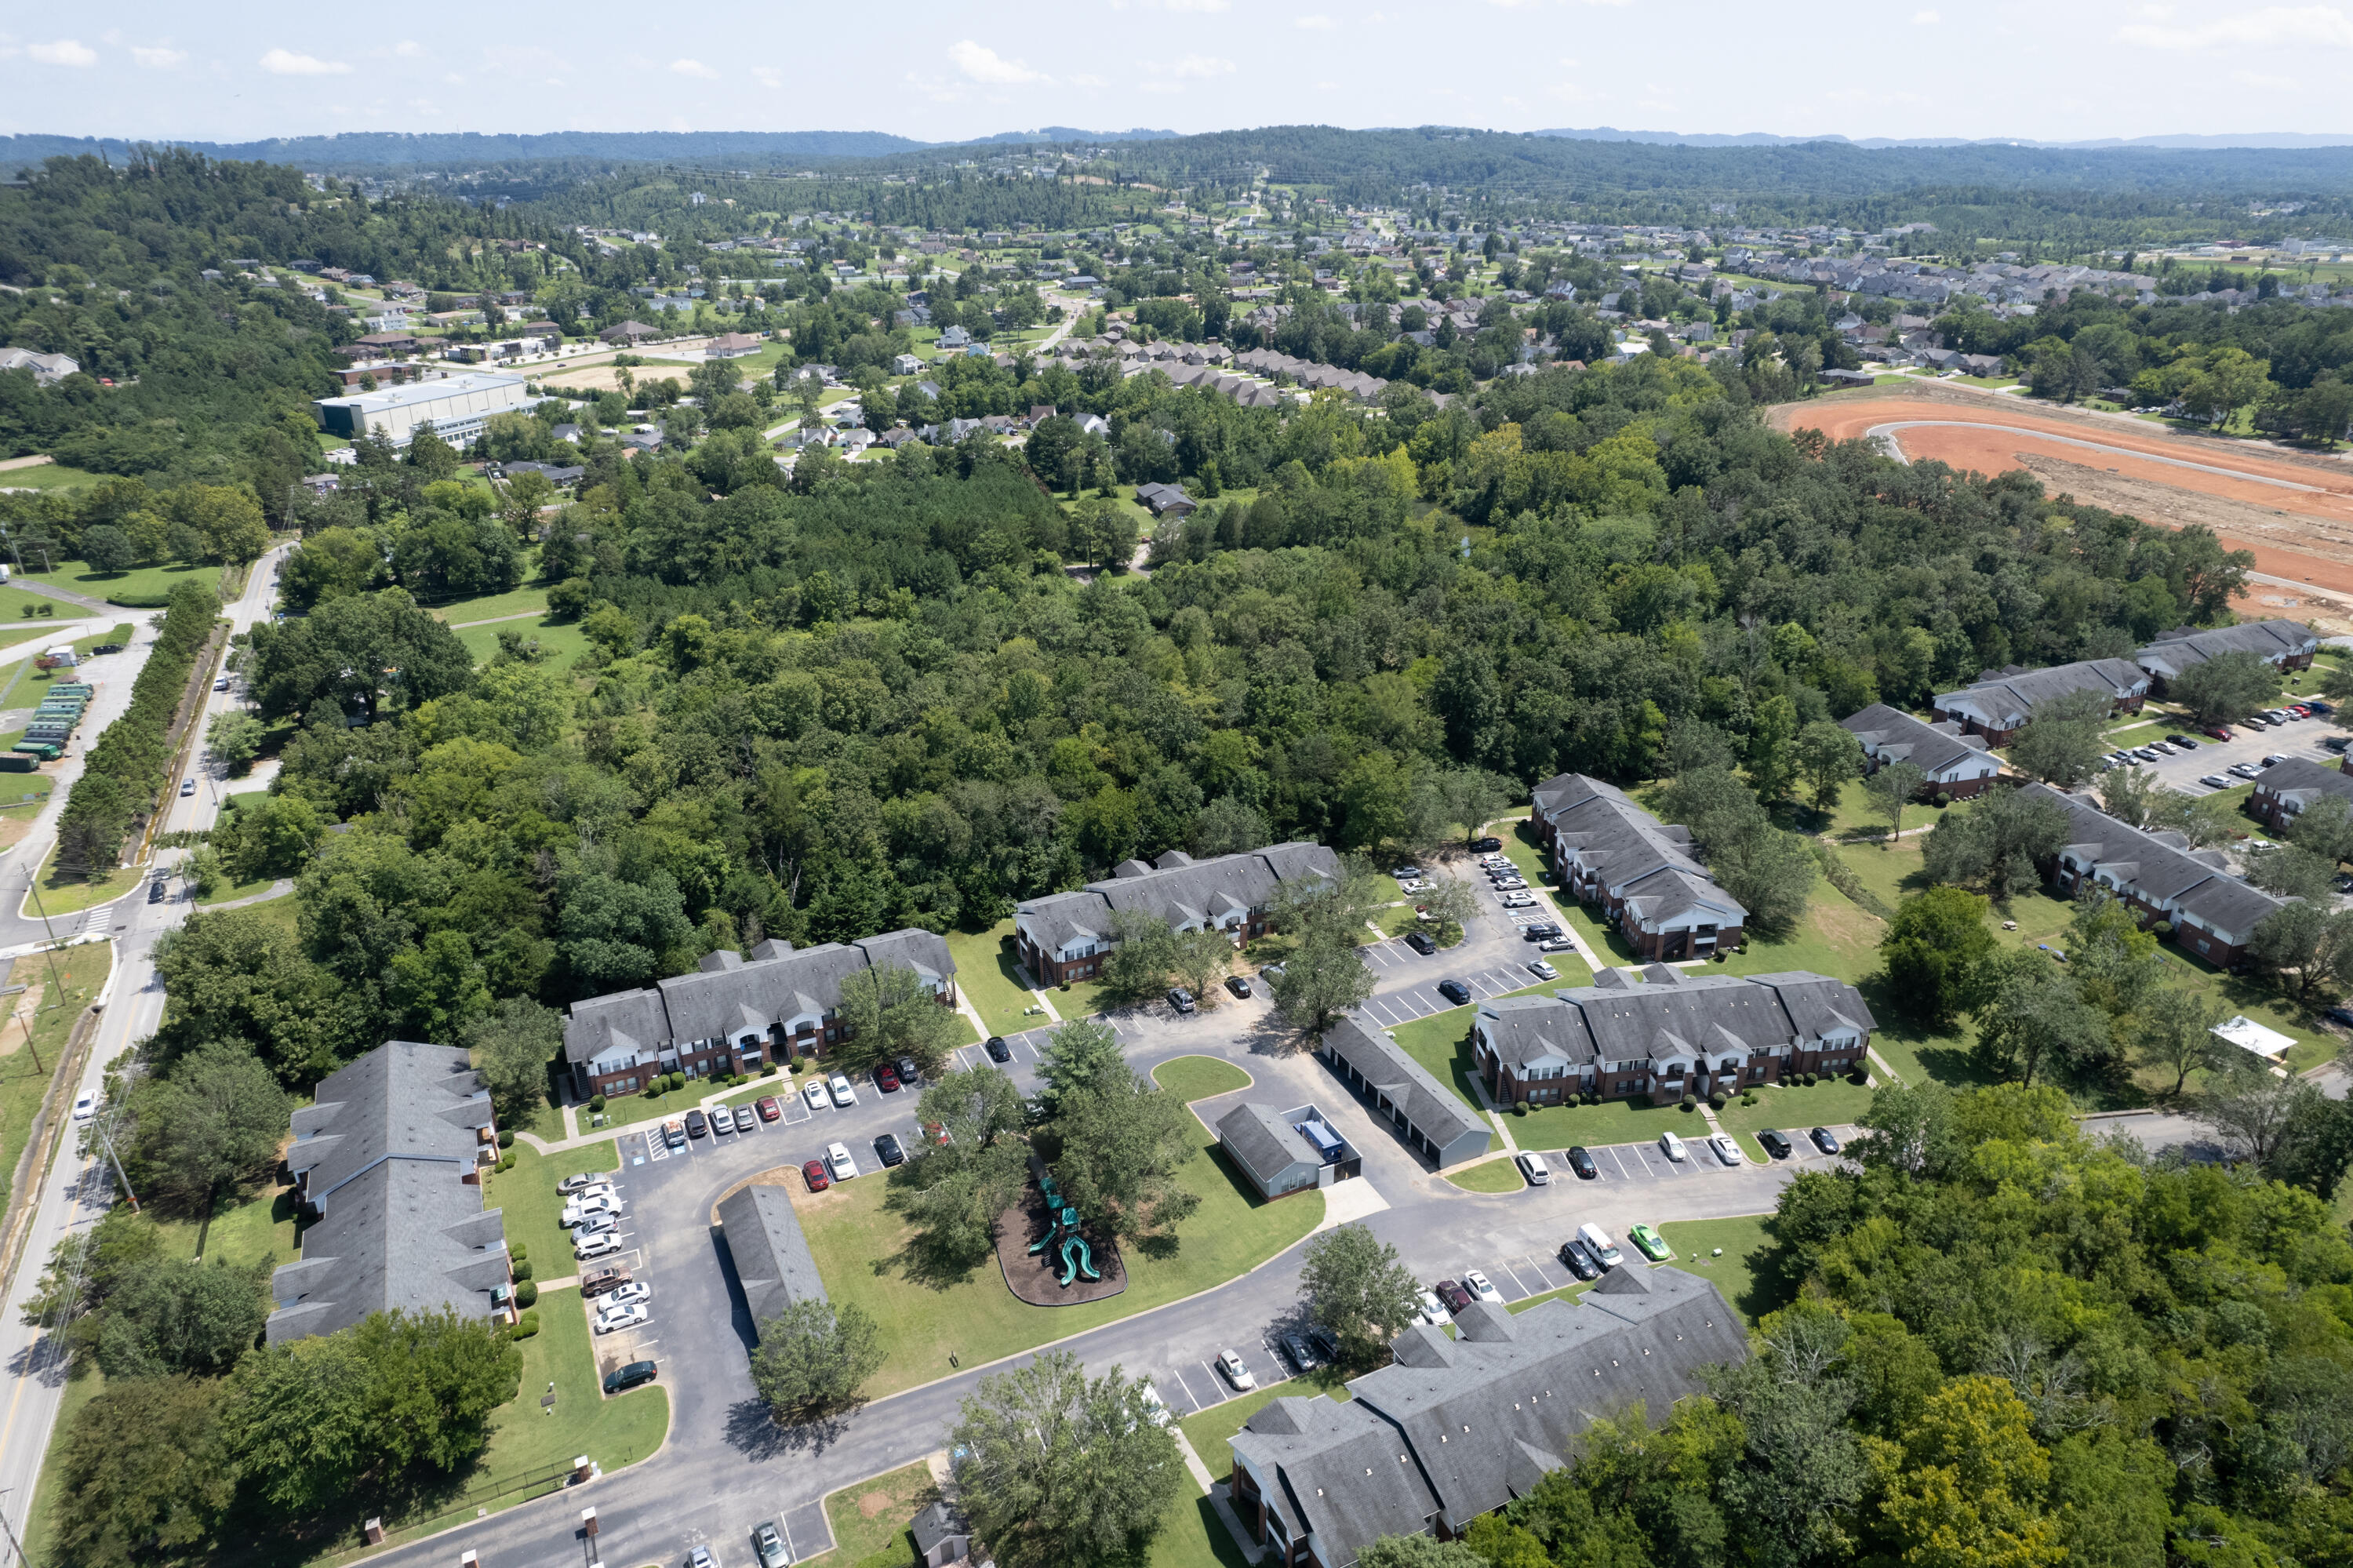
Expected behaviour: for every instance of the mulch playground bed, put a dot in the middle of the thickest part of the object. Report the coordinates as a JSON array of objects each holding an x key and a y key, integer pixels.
[{"x": 1035, "y": 1279}]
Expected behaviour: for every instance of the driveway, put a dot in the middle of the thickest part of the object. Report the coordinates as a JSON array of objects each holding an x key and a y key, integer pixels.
[{"x": 2248, "y": 742}]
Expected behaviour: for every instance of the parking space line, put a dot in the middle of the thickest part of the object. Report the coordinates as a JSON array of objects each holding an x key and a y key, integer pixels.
[
  {"x": 1520, "y": 1285},
  {"x": 1191, "y": 1398},
  {"x": 1611, "y": 1150}
]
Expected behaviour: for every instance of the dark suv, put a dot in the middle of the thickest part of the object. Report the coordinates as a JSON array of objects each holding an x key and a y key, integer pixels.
[
  {"x": 1455, "y": 992},
  {"x": 696, "y": 1123},
  {"x": 1486, "y": 846},
  {"x": 1420, "y": 943},
  {"x": 1774, "y": 1144}
]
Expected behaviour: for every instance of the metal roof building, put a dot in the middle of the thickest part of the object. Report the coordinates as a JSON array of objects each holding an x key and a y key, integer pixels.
[{"x": 457, "y": 407}]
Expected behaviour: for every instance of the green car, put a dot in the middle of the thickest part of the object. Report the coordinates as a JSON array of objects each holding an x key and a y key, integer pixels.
[{"x": 1654, "y": 1246}]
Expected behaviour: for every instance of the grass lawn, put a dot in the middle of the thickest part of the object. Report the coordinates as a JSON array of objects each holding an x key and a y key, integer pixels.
[
  {"x": 15, "y": 603},
  {"x": 1191, "y": 1078},
  {"x": 870, "y": 1520},
  {"x": 258, "y": 1227},
  {"x": 926, "y": 1314},
  {"x": 47, "y": 476},
  {"x": 1210, "y": 1431},
  {"x": 1793, "y": 1109},
  {"x": 560, "y": 641},
  {"x": 29, "y": 685},
  {"x": 142, "y": 587},
  {"x": 1488, "y": 1176},
  {"x": 533, "y": 1208},
  {"x": 1442, "y": 1042},
  {"x": 229, "y": 892},
  {"x": 987, "y": 975},
  {"x": 490, "y": 606},
  {"x": 1084, "y": 999},
  {"x": 61, "y": 892},
  {"x": 1735, "y": 1273},
  {"x": 81, "y": 971}
]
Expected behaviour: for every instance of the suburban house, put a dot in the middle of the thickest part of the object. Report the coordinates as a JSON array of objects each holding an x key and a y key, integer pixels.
[
  {"x": 1064, "y": 935},
  {"x": 1430, "y": 1116},
  {"x": 905, "y": 364},
  {"x": 2290, "y": 645},
  {"x": 2285, "y": 788},
  {"x": 2159, "y": 877},
  {"x": 731, "y": 345},
  {"x": 1675, "y": 1033},
  {"x": 628, "y": 332},
  {"x": 943, "y": 1540},
  {"x": 2000, "y": 701},
  {"x": 734, "y": 1014},
  {"x": 48, "y": 369},
  {"x": 1458, "y": 1427},
  {"x": 1955, "y": 765},
  {"x": 1644, "y": 873},
  {"x": 387, "y": 1164},
  {"x": 1163, "y": 499},
  {"x": 773, "y": 1262},
  {"x": 1285, "y": 1152}
]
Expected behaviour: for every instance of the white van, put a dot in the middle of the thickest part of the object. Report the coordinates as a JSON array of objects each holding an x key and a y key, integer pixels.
[
  {"x": 1604, "y": 1249},
  {"x": 1671, "y": 1146}
]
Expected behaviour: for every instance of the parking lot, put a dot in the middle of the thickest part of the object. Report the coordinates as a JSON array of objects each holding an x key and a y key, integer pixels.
[{"x": 2248, "y": 742}]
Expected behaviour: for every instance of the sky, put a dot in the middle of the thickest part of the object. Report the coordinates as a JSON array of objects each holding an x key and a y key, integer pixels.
[{"x": 935, "y": 72}]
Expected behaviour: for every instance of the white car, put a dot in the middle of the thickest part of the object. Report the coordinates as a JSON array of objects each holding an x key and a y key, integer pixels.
[
  {"x": 1727, "y": 1150},
  {"x": 587, "y": 1247},
  {"x": 838, "y": 1160},
  {"x": 1154, "y": 1406},
  {"x": 1534, "y": 1168},
  {"x": 1434, "y": 1311},
  {"x": 1479, "y": 1285},
  {"x": 582, "y": 1210},
  {"x": 85, "y": 1108},
  {"x": 838, "y": 1087},
  {"x": 629, "y": 1295},
  {"x": 1418, "y": 884},
  {"x": 598, "y": 1189},
  {"x": 1672, "y": 1146},
  {"x": 1519, "y": 900},
  {"x": 813, "y": 1092},
  {"x": 628, "y": 1316},
  {"x": 1236, "y": 1374},
  {"x": 1543, "y": 971}
]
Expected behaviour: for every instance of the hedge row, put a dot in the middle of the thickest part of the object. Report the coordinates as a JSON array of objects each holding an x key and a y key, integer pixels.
[{"x": 125, "y": 766}]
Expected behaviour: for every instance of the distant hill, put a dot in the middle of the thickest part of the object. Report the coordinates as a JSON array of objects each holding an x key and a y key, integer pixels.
[
  {"x": 2258, "y": 139},
  {"x": 1058, "y": 134}
]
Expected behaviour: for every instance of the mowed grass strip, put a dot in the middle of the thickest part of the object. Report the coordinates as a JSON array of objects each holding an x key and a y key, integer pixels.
[
  {"x": 870, "y": 1520},
  {"x": 865, "y": 1256},
  {"x": 1488, "y": 1176},
  {"x": 987, "y": 976},
  {"x": 534, "y": 1209},
  {"x": 1191, "y": 1078}
]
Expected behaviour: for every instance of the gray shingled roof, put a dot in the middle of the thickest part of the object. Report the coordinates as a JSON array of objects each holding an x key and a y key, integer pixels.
[
  {"x": 407, "y": 1235},
  {"x": 1265, "y": 1143},
  {"x": 404, "y": 1100},
  {"x": 1673, "y": 1015},
  {"x": 2303, "y": 781},
  {"x": 2008, "y": 700},
  {"x": 2160, "y": 867},
  {"x": 1383, "y": 1063},
  {"x": 1654, "y": 866},
  {"x": 773, "y": 1261},
  {"x": 1179, "y": 890},
  {"x": 1890, "y": 735},
  {"x": 2273, "y": 640}
]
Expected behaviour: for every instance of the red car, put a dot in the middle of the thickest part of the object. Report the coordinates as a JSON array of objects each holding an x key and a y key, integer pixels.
[
  {"x": 2220, "y": 732},
  {"x": 813, "y": 1173},
  {"x": 886, "y": 1080},
  {"x": 1454, "y": 1296},
  {"x": 768, "y": 1108}
]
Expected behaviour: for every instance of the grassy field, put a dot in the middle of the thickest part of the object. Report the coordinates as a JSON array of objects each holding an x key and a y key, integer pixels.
[
  {"x": 230, "y": 891},
  {"x": 1794, "y": 1108},
  {"x": 47, "y": 476},
  {"x": 61, "y": 892},
  {"x": 927, "y": 1315},
  {"x": 81, "y": 971},
  {"x": 490, "y": 606},
  {"x": 29, "y": 685},
  {"x": 23, "y": 607},
  {"x": 533, "y": 1209},
  {"x": 1488, "y": 1176},
  {"x": 987, "y": 976},
  {"x": 1191, "y": 1078},
  {"x": 258, "y": 1227},
  {"x": 870, "y": 1520},
  {"x": 141, "y": 586},
  {"x": 560, "y": 641},
  {"x": 1735, "y": 1274}
]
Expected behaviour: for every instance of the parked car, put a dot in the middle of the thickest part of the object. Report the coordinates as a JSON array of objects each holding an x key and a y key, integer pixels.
[
  {"x": 594, "y": 1226},
  {"x": 767, "y": 1108},
  {"x": 1540, "y": 932},
  {"x": 1406, "y": 873},
  {"x": 1180, "y": 999},
  {"x": 1418, "y": 884},
  {"x": 598, "y": 1246},
  {"x": 813, "y": 1171},
  {"x": 2275, "y": 760},
  {"x": 1323, "y": 1341},
  {"x": 1727, "y": 1150},
  {"x": 631, "y": 1291},
  {"x": 1481, "y": 1286},
  {"x": 579, "y": 1179},
  {"x": 1239, "y": 984},
  {"x": 674, "y": 1133},
  {"x": 697, "y": 1124},
  {"x": 838, "y": 1161},
  {"x": 1543, "y": 971},
  {"x": 1578, "y": 1259},
  {"x": 1455, "y": 992},
  {"x": 1519, "y": 901},
  {"x": 1824, "y": 1139},
  {"x": 2183, "y": 741},
  {"x": 1294, "y": 1347},
  {"x": 813, "y": 1092},
  {"x": 1604, "y": 1251},
  {"x": 630, "y": 1376},
  {"x": 839, "y": 1088},
  {"x": 1486, "y": 845},
  {"x": 1454, "y": 1296},
  {"x": 1155, "y": 1407},
  {"x": 2317, "y": 706},
  {"x": 1271, "y": 972},
  {"x": 933, "y": 1132},
  {"x": 885, "y": 1079},
  {"x": 1775, "y": 1143},
  {"x": 1236, "y": 1374},
  {"x": 998, "y": 1051},
  {"x": 1420, "y": 942},
  {"x": 601, "y": 1281},
  {"x": 1582, "y": 1163},
  {"x": 887, "y": 1149},
  {"x": 1556, "y": 944},
  {"x": 2217, "y": 731},
  {"x": 1672, "y": 1146},
  {"x": 1434, "y": 1311},
  {"x": 1654, "y": 1245},
  {"x": 768, "y": 1546},
  {"x": 910, "y": 1072},
  {"x": 1534, "y": 1168},
  {"x": 723, "y": 1120},
  {"x": 2161, "y": 747},
  {"x": 2214, "y": 781},
  {"x": 746, "y": 1119}
]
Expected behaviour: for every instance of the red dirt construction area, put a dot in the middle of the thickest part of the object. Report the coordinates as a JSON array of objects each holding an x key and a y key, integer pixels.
[{"x": 2293, "y": 511}]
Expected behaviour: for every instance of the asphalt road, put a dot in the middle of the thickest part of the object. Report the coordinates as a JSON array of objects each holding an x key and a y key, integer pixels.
[{"x": 2248, "y": 742}]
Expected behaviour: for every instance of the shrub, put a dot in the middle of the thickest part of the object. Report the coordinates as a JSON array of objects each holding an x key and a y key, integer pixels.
[
  {"x": 1807, "y": 1080},
  {"x": 1715, "y": 1102},
  {"x": 1519, "y": 1108},
  {"x": 517, "y": 1253},
  {"x": 1943, "y": 800},
  {"x": 1859, "y": 1077},
  {"x": 521, "y": 1268},
  {"x": 1592, "y": 1097},
  {"x": 526, "y": 1294},
  {"x": 506, "y": 1139},
  {"x": 506, "y": 1161},
  {"x": 1689, "y": 1100},
  {"x": 1748, "y": 1096},
  {"x": 526, "y": 1326},
  {"x": 655, "y": 1085},
  {"x": 595, "y": 1103},
  {"x": 768, "y": 1070}
]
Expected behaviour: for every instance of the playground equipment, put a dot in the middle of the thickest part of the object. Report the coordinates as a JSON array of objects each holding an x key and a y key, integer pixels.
[{"x": 1062, "y": 1226}]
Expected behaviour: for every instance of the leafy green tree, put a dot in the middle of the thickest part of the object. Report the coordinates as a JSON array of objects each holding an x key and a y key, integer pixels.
[
  {"x": 512, "y": 1045},
  {"x": 1063, "y": 1467},
  {"x": 2306, "y": 939},
  {"x": 892, "y": 1011},
  {"x": 1143, "y": 956},
  {"x": 2061, "y": 744},
  {"x": 1451, "y": 902},
  {"x": 2131, "y": 795},
  {"x": 1355, "y": 1287},
  {"x": 1969, "y": 1482},
  {"x": 1995, "y": 842},
  {"x": 2226, "y": 688},
  {"x": 2291, "y": 871},
  {"x": 1081, "y": 1057},
  {"x": 2114, "y": 962},
  {"x": 1773, "y": 758},
  {"x": 1828, "y": 755},
  {"x": 2032, "y": 1018},
  {"x": 1469, "y": 797},
  {"x": 1418, "y": 1551},
  {"x": 109, "y": 549},
  {"x": 1770, "y": 872},
  {"x": 144, "y": 1473},
  {"x": 813, "y": 1357},
  {"x": 234, "y": 737},
  {"x": 363, "y": 650},
  {"x": 1934, "y": 950},
  {"x": 333, "y": 563},
  {"x": 1891, "y": 786},
  {"x": 180, "y": 1316},
  {"x": 1201, "y": 958},
  {"x": 956, "y": 1192},
  {"x": 2175, "y": 1032},
  {"x": 2325, "y": 828},
  {"x": 1322, "y": 978},
  {"x": 213, "y": 1120},
  {"x": 1124, "y": 1143}
]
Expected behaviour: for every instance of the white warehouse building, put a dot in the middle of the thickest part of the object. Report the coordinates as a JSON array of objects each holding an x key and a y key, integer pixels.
[{"x": 457, "y": 407}]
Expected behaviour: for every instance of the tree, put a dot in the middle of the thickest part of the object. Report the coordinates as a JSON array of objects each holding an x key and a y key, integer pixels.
[
  {"x": 1355, "y": 1287},
  {"x": 1451, "y": 903},
  {"x": 1418, "y": 1551},
  {"x": 2324, "y": 827},
  {"x": 107, "y": 549},
  {"x": 512, "y": 1046},
  {"x": 2225, "y": 688},
  {"x": 1123, "y": 1141},
  {"x": 1967, "y": 1485},
  {"x": 1143, "y": 955},
  {"x": 1081, "y": 1057},
  {"x": 1200, "y": 958},
  {"x": 1323, "y": 978},
  {"x": 955, "y": 1194},
  {"x": 1771, "y": 872},
  {"x": 363, "y": 650},
  {"x": 2061, "y": 744},
  {"x": 1469, "y": 797},
  {"x": 214, "y": 1120},
  {"x": 1996, "y": 842},
  {"x": 2032, "y": 1018},
  {"x": 1828, "y": 755},
  {"x": 1891, "y": 786},
  {"x": 234, "y": 737},
  {"x": 2291, "y": 871},
  {"x": 2308, "y": 940},
  {"x": 2114, "y": 962},
  {"x": 229, "y": 520},
  {"x": 814, "y": 1356},
  {"x": 2131, "y": 795},
  {"x": 1934, "y": 950},
  {"x": 891, "y": 1012},
  {"x": 1061, "y": 1468},
  {"x": 179, "y": 1316},
  {"x": 1773, "y": 750},
  {"x": 144, "y": 1473},
  {"x": 2175, "y": 1031},
  {"x": 2250, "y": 1106}
]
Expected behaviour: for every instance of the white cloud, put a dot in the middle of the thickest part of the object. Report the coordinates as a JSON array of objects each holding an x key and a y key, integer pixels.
[
  {"x": 285, "y": 62},
  {"x": 1200, "y": 66},
  {"x": 1089, "y": 79},
  {"x": 409, "y": 48},
  {"x": 982, "y": 64},
  {"x": 768, "y": 76},
  {"x": 1316, "y": 24},
  {"x": 2266, "y": 84},
  {"x": 1195, "y": 5},
  {"x": 1926, "y": 18},
  {"x": 2301, "y": 26},
  {"x": 694, "y": 68},
  {"x": 64, "y": 52},
  {"x": 159, "y": 59}
]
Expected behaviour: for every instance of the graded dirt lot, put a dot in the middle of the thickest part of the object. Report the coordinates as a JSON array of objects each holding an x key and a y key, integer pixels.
[{"x": 2295, "y": 512}]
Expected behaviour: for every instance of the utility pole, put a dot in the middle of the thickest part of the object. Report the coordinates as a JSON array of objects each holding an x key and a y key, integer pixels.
[
  {"x": 106, "y": 1135},
  {"x": 17, "y": 1546},
  {"x": 32, "y": 886}
]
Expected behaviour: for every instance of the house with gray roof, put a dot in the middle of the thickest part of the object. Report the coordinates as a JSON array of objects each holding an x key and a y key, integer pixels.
[
  {"x": 1957, "y": 765},
  {"x": 1430, "y": 1117},
  {"x": 2285, "y": 788},
  {"x": 2289, "y": 644},
  {"x": 1672, "y": 1033},
  {"x": 773, "y": 1262},
  {"x": 735, "y": 1013},
  {"x": 1064, "y": 935},
  {"x": 2159, "y": 877},
  {"x": 1642, "y": 873},
  {"x": 1458, "y": 1427},
  {"x": 387, "y": 1163},
  {"x": 1284, "y": 1152},
  {"x": 1999, "y": 704}
]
